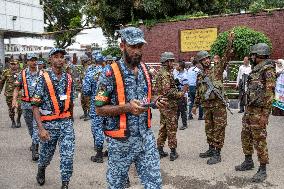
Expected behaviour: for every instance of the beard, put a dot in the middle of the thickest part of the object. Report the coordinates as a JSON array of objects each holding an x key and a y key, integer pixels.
[{"x": 134, "y": 60}]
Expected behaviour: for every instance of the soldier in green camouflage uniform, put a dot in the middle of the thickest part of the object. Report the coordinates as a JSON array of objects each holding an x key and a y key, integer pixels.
[
  {"x": 165, "y": 86},
  {"x": 85, "y": 100},
  {"x": 261, "y": 84},
  {"x": 214, "y": 107},
  {"x": 9, "y": 77}
]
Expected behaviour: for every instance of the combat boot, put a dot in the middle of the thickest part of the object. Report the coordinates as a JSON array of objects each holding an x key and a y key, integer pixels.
[
  {"x": 127, "y": 185},
  {"x": 208, "y": 153},
  {"x": 13, "y": 123},
  {"x": 173, "y": 154},
  {"x": 216, "y": 158},
  {"x": 40, "y": 175},
  {"x": 87, "y": 118},
  {"x": 246, "y": 165},
  {"x": 106, "y": 153},
  {"x": 162, "y": 153},
  {"x": 183, "y": 127},
  {"x": 18, "y": 122},
  {"x": 35, "y": 155},
  {"x": 65, "y": 184},
  {"x": 84, "y": 115},
  {"x": 261, "y": 175},
  {"x": 98, "y": 157}
]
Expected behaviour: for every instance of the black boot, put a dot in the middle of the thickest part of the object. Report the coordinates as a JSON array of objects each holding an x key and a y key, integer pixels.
[
  {"x": 183, "y": 127},
  {"x": 261, "y": 175},
  {"x": 13, "y": 123},
  {"x": 98, "y": 157},
  {"x": 246, "y": 165},
  {"x": 162, "y": 153},
  {"x": 35, "y": 155},
  {"x": 64, "y": 184},
  {"x": 84, "y": 115},
  {"x": 173, "y": 154},
  {"x": 18, "y": 122},
  {"x": 216, "y": 158},
  {"x": 106, "y": 153},
  {"x": 87, "y": 118},
  {"x": 40, "y": 175},
  {"x": 208, "y": 153},
  {"x": 127, "y": 185}
]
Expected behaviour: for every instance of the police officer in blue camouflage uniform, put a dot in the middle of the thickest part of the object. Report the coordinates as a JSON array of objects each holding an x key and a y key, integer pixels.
[
  {"x": 53, "y": 110},
  {"x": 89, "y": 89},
  {"x": 26, "y": 82},
  {"x": 127, "y": 117}
]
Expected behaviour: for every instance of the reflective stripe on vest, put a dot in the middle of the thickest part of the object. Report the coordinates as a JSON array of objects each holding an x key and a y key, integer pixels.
[
  {"x": 25, "y": 96},
  {"x": 121, "y": 133},
  {"x": 57, "y": 114}
]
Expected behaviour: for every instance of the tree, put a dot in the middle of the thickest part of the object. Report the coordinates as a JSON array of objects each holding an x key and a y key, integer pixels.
[
  {"x": 244, "y": 39},
  {"x": 112, "y": 13},
  {"x": 65, "y": 19}
]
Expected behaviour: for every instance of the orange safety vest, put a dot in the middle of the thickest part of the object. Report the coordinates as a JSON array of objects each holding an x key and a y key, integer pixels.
[
  {"x": 57, "y": 114},
  {"x": 25, "y": 95},
  {"x": 122, "y": 131}
]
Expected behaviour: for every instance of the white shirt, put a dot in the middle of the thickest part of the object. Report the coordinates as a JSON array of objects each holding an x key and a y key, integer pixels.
[
  {"x": 192, "y": 75},
  {"x": 243, "y": 70}
]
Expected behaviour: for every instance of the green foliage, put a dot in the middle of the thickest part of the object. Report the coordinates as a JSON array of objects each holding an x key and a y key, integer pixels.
[
  {"x": 113, "y": 51},
  {"x": 244, "y": 39},
  {"x": 66, "y": 16},
  {"x": 257, "y": 6}
]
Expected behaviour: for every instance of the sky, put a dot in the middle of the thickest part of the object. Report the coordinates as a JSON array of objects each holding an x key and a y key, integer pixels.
[{"x": 85, "y": 37}]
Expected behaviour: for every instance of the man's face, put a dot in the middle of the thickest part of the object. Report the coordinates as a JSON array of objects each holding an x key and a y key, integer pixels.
[
  {"x": 40, "y": 66},
  {"x": 246, "y": 61},
  {"x": 57, "y": 60},
  {"x": 206, "y": 62},
  {"x": 132, "y": 53},
  {"x": 170, "y": 64},
  {"x": 253, "y": 59},
  {"x": 14, "y": 66},
  {"x": 32, "y": 63},
  {"x": 216, "y": 59}
]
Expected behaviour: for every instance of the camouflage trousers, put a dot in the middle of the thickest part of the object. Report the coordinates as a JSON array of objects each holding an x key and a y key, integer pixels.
[
  {"x": 85, "y": 103},
  {"x": 254, "y": 133},
  {"x": 168, "y": 128},
  {"x": 28, "y": 116},
  {"x": 65, "y": 138},
  {"x": 9, "y": 100},
  {"x": 215, "y": 124}
]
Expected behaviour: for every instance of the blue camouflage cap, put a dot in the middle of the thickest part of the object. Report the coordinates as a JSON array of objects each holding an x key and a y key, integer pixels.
[
  {"x": 98, "y": 57},
  {"x": 132, "y": 35},
  {"x": 39, "y": 62},
  {"x": 55, "y": 50},
  {"x": 31, "y": 56}
]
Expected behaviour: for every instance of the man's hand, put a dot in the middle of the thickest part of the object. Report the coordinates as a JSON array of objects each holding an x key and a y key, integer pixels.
[
  {"x": 161, "y": 102},
  {"x": 15, "y": 103},
  {"x": 237, "y": 86},
  {"x": 193, "y": 111},
  {"x": 135, "y": 108},
  {"x": 43, "y": 134}
]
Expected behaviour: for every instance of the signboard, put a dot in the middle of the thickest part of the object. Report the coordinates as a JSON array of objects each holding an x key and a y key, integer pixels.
[
  {"x": 197, "y": 39},
  {"x": 279, "y": 93}
]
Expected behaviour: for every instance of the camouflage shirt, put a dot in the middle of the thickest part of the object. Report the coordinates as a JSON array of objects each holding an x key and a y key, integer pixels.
[
  {"x": 215, "y": 74},
  {"x": 261, "y": 85},
  {"x": 165, "y": 86},
  {"x": 9, "y": 77}
]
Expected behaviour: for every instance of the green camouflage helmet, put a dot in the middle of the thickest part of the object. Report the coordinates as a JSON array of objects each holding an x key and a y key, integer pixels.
[
  {"x": 201, "y": 55},
  {"x": 261, "y": 49},
  {"x": 167, "y": 56}
]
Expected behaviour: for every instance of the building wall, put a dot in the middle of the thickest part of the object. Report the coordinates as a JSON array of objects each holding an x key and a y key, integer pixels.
[
  {"x": 28, "y": 16},
  {"x": 165, "y": 36}
]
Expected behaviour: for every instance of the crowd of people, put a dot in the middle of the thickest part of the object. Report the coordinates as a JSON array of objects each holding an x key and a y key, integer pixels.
[{"x": 117, "y": 96}]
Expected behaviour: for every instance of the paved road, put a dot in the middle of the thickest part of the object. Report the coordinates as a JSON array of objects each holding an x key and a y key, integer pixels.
[{"x": 189, "y": 171}]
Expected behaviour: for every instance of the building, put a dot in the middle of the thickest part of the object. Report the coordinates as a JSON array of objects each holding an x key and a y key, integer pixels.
[{"x": 19, "y": 18}]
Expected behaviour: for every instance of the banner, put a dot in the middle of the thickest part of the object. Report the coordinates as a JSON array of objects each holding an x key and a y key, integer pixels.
[
  {"x": 279, "y": 92},
  {"x": 197, "y": 39}
]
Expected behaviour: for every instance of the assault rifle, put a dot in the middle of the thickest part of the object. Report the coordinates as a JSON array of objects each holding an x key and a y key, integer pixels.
[{"x": 217, "y": 92}]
